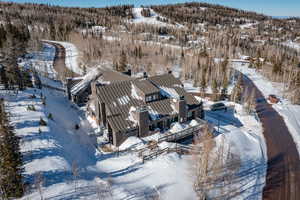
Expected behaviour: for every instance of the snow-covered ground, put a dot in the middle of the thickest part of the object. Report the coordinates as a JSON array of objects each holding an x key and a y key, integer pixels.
[
  {"x": 248, "y": 25},
  {"x": 243, "y": 135},
  {"x": 59, "y": 145},
  {"x": 72, "y": 56},
  {"x": 289, "y": 112},
  {"x": 291, "y": 44},
  {"x": 41, "y": 61}
]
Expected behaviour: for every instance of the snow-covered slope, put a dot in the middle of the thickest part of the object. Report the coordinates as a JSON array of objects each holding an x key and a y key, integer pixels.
[
  {"x": 139, "y": 18},
  {"x": 59, "y": 145},
  {"x": 41, "y": 61}
]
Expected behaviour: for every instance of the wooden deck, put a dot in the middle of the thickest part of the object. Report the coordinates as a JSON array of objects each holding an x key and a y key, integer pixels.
[{"x": 173, "y": 137}]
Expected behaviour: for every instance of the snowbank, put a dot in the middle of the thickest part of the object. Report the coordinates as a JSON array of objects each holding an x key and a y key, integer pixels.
[
  {"x": 176, "y": 127},
  {"x": 131, "y": 142},
  {"x": 72, "y": 57}
]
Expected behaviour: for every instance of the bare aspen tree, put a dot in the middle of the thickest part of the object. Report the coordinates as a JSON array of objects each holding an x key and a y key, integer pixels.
[
  {"x": 75, "y": 174},
  {"x": 104, "y": 189},
  {"x": 206, "y": 144},
  {"x": 38, "y": 182},
  {"x": 214, "y": 167}
]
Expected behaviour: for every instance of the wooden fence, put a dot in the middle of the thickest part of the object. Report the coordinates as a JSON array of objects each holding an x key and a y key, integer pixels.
[{"x": 180, "y": 149}]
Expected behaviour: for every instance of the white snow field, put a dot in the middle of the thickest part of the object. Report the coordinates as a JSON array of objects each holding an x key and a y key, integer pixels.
[
  {"x": 139, "y": 18},
  {"x": 289, "y": 112},
  {"x": 152, "y": 20}
]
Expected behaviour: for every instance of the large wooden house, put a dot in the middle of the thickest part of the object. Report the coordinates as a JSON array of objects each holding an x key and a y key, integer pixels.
[{"x": 139, "y": 107}]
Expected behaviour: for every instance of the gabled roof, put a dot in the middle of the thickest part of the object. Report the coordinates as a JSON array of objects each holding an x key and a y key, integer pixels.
[
  {"x": 120, "y": 96},
  {"x": 104, "y": 76},
  {"x": 165, "y": 80},
  {"x": 146, "y": 86}
]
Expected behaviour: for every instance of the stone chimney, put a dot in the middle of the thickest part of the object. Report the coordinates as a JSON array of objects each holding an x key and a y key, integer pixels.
[
  {"x": 180, "y": 106},
  {"x": 142, "y": 116}
]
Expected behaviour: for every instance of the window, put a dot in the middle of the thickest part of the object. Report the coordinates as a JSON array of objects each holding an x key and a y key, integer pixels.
[
  {"x": 191, "y": 115},
  {"x": 148, "y": 98},
  {"x": 152, "y": 127},
  {"x": 154, "y": 97},
  {"x": 175, "y": 119}
]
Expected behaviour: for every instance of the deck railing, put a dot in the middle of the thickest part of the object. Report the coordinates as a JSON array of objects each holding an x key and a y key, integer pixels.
[{"x": 173, "y": 137}]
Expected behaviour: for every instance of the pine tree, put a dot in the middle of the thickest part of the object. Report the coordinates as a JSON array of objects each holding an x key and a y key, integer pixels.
[
  {"x": 3, "y": 77},
  {"x": 11, "y": 185}
]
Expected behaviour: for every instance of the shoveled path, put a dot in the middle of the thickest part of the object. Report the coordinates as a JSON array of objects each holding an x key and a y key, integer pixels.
[{"x": 283, "y": 171}]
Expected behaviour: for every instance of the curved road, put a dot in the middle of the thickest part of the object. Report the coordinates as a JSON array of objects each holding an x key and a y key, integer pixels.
[
  {"x": 59, "y": 62},
  {"x": 283, "y": 171}
]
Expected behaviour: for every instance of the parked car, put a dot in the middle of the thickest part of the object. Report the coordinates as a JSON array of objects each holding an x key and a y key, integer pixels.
[
  {"x": 273, "y": 98},
  {"x": 218, "y": 106}
]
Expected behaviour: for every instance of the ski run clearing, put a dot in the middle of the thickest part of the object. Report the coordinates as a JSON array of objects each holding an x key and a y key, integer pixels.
[
  {"x": 55, "y": 149},
  {"x": 153, "y": 19}
]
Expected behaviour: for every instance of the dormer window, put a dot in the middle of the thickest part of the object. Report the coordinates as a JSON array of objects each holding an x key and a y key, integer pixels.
[{"x": 150, "y": 98}]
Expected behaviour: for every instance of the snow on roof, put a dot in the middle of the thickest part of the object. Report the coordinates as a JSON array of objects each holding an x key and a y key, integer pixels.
[
  {"x": 169, "y": 92},
  {"x": 134, "y": 93},
  {"x": 174, "y": 109},
  {"x": 194, "y": 123},
  {"x": 124, "y": 100},
  {"x": 131, "y": 117},
  {"x": 176, "y": 127},
  {"x": 154, "y": 115},
  {"x": 86, "y": 80}
]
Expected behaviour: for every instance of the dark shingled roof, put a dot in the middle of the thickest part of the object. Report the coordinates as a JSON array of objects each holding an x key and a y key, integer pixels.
[
  {"x": 165, "y": 80},
  {"x": 113, "y": 76},
  {"x": 118, "y": 99},
  {"x": 146, "y": 86}
]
